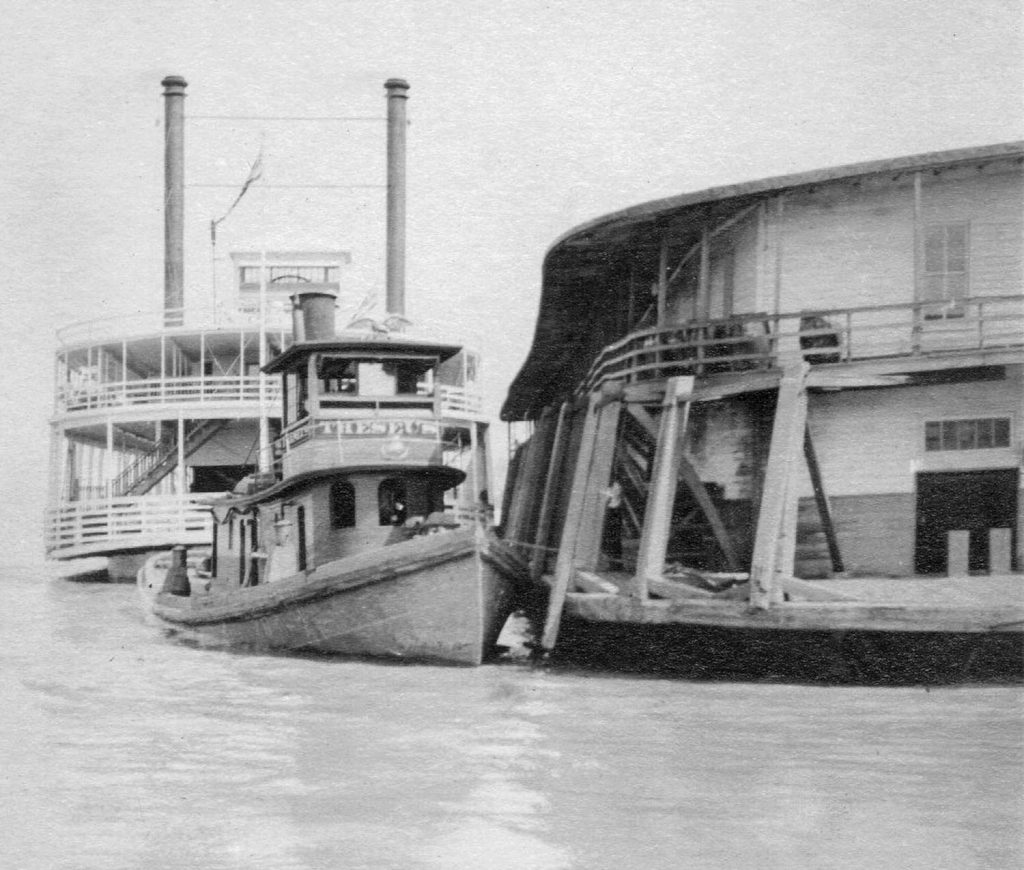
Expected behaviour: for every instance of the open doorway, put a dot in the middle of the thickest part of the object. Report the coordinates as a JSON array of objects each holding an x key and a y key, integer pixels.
[{"x": 975, "y": 501}]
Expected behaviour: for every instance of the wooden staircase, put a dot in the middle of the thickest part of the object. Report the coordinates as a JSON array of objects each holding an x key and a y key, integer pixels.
[{"x": 150, "y": 468}]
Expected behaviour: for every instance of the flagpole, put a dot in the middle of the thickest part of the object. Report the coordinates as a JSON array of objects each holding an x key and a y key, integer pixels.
[
  {"x": 264, "y": 452},
  {"x": 213, "y": 268}
]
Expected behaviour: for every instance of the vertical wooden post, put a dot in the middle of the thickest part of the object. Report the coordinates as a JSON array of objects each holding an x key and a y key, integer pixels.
[
  {"x": 704, "y": 292},
  {"x": 663, "y": 281},
  {"x": 664, "y": 477},
  {"x": 759, "y": 265},
  {"x": 915, "y": 329},
  {"x": 821, "y": 500},
  {"x": 584, "y": 519},
  {"x": 109, "y": 471},
  {"x": 547, "y": 503},
  {"x": 776, "y": 530},
  {"x": 182, "y": 483},
  {"x": 780, "y": 208}
]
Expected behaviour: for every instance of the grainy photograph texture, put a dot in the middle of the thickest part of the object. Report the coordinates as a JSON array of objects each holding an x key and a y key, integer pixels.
[{"x": 535, "y": 435}]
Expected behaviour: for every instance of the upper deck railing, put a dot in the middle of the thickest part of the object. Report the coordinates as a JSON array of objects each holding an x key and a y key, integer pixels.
[
  {"x": 195, "y": 390},
  {"x": 241, "y": 315},
  {"x": 836, "y": 335}
]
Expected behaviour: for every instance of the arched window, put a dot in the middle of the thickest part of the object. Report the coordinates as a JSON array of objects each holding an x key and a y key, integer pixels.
[
  {"x": 343, "y": 505},
  {"x": 391, "y": 501}
]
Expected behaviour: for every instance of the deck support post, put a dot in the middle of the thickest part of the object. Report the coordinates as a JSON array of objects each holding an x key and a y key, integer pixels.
[
  {"x": 821, "y": 500},
  {"x": 584, "y": 518},
  {"x": 182, "y": 487},
  {"x": 775, "y": 539},
  {"x": 664, "y": 477},
  {"x": 538, "y": 557}
]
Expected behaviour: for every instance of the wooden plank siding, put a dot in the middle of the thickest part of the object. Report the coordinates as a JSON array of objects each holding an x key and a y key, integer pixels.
[{"x": 868, "y": 231}]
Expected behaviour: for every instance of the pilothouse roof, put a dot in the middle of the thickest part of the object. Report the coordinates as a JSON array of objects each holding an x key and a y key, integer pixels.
[{"x": 369, "y": 343}]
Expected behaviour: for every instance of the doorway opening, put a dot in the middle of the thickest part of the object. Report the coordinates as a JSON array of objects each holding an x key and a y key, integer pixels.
[{"x": 972, "y": 501}]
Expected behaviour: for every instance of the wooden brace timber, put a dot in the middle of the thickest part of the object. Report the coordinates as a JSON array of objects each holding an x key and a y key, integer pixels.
[
  {"x": 821, "y": 500},
  {"x": 547, "y": 503},
  {"x": 664, "y": 477},
  {"x": 584, "y": 518},
  {"x": 588, "y": 581},
  {"x": 774, "y": 542},
  {"x": 688, "y": 474}
]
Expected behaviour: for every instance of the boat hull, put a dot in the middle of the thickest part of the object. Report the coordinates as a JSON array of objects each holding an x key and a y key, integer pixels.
[{"x": 437, "y": 599}]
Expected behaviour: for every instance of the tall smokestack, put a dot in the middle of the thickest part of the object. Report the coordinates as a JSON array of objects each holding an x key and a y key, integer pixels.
[
  {"x": 174, "y": 199},
  {"x": 397, "y": 95}
]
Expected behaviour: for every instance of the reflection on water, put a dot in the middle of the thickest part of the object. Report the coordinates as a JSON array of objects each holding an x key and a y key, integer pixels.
[{"x": 122, "y": 749}]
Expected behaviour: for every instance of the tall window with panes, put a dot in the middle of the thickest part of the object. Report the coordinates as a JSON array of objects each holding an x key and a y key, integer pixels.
[{"x": 945, "y": 276}]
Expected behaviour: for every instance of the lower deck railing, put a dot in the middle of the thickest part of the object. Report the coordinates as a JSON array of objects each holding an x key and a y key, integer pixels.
[{"x": 106, "y": 525}]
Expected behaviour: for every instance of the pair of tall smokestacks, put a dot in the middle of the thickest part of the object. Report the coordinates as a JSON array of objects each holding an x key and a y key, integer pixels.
[{"x": 174, "y": 197}]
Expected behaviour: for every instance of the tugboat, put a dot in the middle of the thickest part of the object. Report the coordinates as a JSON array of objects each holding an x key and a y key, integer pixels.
[
  {"x": 351, "y": 550},
  {"x": 341, "y": 543}
]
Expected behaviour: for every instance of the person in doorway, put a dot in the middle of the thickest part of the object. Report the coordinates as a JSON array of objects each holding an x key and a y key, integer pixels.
[{"x": 611, "y": 539}]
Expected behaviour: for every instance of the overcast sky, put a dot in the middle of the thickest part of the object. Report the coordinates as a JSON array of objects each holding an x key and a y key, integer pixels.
[{"x": 526, "y": 118}]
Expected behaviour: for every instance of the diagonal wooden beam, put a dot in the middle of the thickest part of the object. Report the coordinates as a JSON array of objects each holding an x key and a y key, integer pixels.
[
  {"x": 821, "y": 499},
  {"x": 688, "y": 475},
  {"x": 645, "y": 419}
]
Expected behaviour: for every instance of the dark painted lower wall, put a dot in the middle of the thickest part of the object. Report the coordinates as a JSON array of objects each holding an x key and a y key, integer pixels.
[{"x": 875, "y": 532}]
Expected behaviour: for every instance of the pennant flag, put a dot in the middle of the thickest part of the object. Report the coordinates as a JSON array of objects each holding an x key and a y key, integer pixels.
[{"x": 255, "y": 174}]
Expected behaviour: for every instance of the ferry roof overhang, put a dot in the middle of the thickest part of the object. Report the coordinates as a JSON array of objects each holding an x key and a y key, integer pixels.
[
  {"x": 584, "y": 268},
  {"x": 360, "y": 344}
]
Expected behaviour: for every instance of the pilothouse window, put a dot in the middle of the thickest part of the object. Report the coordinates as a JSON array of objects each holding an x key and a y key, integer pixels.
[{"x": 341, "y": 376}]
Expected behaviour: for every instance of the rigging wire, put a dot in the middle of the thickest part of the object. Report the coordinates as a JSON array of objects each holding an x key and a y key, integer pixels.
[{"x": 286, "y": 118}]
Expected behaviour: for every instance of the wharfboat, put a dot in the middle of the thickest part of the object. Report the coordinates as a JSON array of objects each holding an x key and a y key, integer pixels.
[{"x": 790, "y": 407}]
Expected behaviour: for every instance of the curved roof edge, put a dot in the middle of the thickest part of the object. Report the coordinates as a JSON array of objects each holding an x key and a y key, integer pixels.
[
  {"x": 535, "y": 372},
  {"x": 928, "y": 160}
]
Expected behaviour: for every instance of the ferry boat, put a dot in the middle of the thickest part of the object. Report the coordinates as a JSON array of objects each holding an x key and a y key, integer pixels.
[
  {"x": 789, "y": 405},
  {"x": 157, "y": 410},
  {"x": 364, "y": 530}
]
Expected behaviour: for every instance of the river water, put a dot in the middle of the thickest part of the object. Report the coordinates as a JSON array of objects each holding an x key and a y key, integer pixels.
[{"x": 123, "y": 749}]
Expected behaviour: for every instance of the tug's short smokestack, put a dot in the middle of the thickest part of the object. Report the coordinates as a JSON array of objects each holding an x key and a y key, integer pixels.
[
  {"x": 174, "y": 199},
  {"x": 316, "y": 315},
  {"x": 397, "y": 94}
]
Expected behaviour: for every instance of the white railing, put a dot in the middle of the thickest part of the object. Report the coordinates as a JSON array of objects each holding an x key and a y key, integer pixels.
[
  {"x": 161, "y": 391},
  {"x": 837, "y": 335},
  {"x": 458, "y": 401},
  {"x": 106, "y": 525},
  {"x": 240, "y": 316}
]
